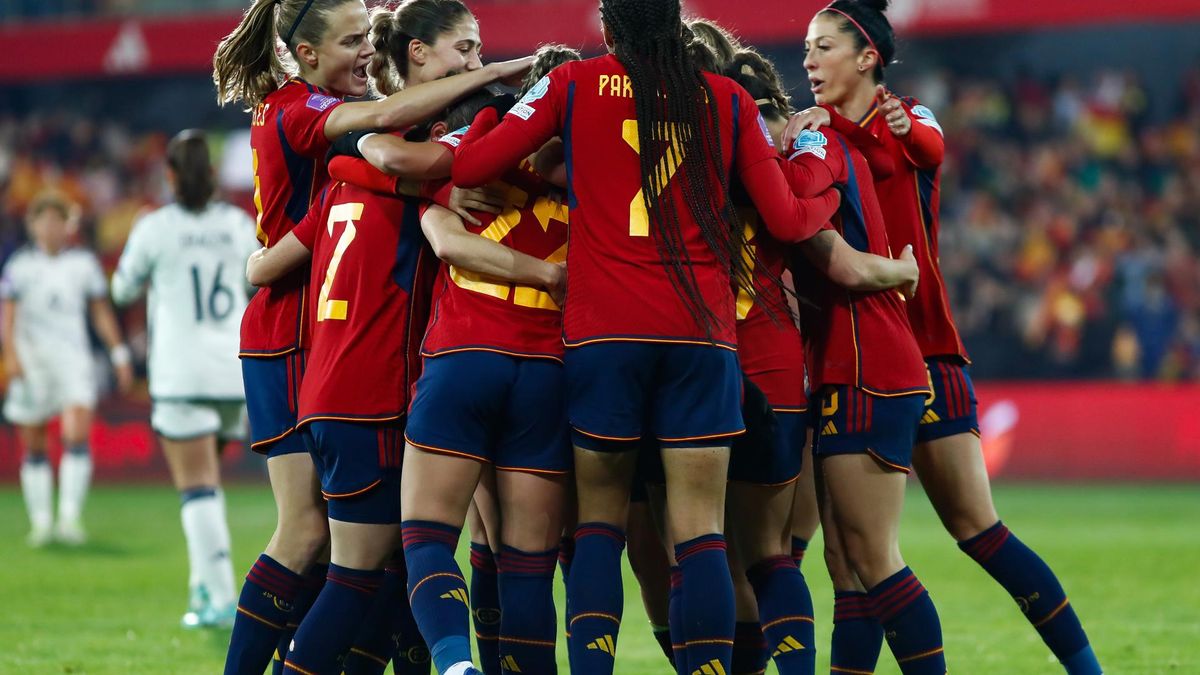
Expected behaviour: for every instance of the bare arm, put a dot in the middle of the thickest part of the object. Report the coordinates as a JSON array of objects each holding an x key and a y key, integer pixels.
[
  {"x": 415, "y": 161},
  {"x": 268, "y": 265},
  {"x": 551, "y": 162},
  {"x": 105, "y": 321},
  {"x": 456, "y": 246},
  {"x": 850, "y": 268},
  {"x": 417, "y": 103}
]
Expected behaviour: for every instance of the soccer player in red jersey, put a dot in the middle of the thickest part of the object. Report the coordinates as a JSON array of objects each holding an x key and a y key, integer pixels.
[
  {"x": 650, "y": 145},
  {"x": 764, "y": 480},
  {"x": 292, "y": 125},
  {"x": 366, "y": 248},
  {"x": 850, "y": 45}
]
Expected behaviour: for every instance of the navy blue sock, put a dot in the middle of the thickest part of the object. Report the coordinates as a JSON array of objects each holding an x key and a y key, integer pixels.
[
  {"x": 310, "y": 588},
  {"x": 527, "y": 620},
  {"x": 596, "y": 598},
  {"x": 857, "y": 634},
  {"x": 437, "y": 591},
  {"x": 910, "y": 623},
  {"x": 566, "y": 553},
  {"x": 1033, "y": 585},
  {"x": 799, "y": 548},
  {"x": 389, "y": 632},
  {"x": 327, "y": 633},
  {"x": 485, "y": 607},
  {"x": 786, "y": 612},
  {"x": 410, "y": 655},
  {"x": 262, "y": 614},
  {"x": 707, "y": 595},
  {"x": 750, "y": 651},
  {"x": 675, "y": 622}
]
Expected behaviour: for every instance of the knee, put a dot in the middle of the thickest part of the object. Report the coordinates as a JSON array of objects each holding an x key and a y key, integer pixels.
[
  {"x": 967, "y": 520},
  {"x": 841, "y": 573},
  {"x": 302, "y": 535}
]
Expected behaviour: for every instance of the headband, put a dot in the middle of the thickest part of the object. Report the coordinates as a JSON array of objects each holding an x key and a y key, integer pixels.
[
  {"x": 857, "y": 25},
  {"x": 300, "y": 17}
]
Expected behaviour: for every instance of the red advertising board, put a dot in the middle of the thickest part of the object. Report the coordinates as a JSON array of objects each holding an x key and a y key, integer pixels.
[
  {"x": 172, "y": 45},
  {"x": 1031, "y": 431}
]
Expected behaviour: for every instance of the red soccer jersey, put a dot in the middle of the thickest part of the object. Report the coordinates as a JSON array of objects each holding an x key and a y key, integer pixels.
[
  {"x": 910, "y": 198},
  {"x": 475, "y": 313},
  {"x": 287, "y": 138},
  {"x": 769, "y": 347},
  {"x": 367, "y": 252},
  {"x": 619, "y": 289},
  {"x": 858, "y": 339}
]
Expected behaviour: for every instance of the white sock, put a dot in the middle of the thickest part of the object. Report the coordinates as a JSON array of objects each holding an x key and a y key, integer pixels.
[
  {"x": 74, "y": 477},
  {"x": 459, "y": 668},
  {"x": 37, "y": 484},
  {"x": 221, "y": 586},
  {"x": 207, "y": 534}
]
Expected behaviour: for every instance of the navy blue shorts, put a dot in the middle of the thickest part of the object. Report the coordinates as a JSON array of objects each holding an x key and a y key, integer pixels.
[
  {"x": 495, "y": 408},
  {"x": 683, "y": 395},
  {"x": 951, "y": 410},
  {"x": 359, "y": 467},
  {"x": 852, "y": 421},
  {"x": 272, "y": 394},
  {"x": 778, "y": 464}
]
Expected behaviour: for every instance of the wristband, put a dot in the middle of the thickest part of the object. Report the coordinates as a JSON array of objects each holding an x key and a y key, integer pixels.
[
  {"x": 120, "y": 355},
  {"x": 360, "y": 142}
]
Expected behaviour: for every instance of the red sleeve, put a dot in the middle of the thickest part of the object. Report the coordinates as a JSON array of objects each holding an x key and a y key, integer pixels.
[
  {"x": 360, "y": 172},
  {"x": 788, "y": 219},
  {"x": 812, "y": 167},
  {"x": 924, "y": 145},
  {"x": 306, "y": 230},
  {"x": 877, "y": 155},
  {"x": 491, "y": 147},
  {"x": 304, "y": 124},
  {"x": 437, "y": 191}
]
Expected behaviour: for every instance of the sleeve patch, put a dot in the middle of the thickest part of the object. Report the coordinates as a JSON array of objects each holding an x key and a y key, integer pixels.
[
  {"x": 454, "y": 138},
  {"x": 321, "y": 102},
  {"x": 810, "y": 142},
  {"x": 524, "y": 108},
  {"x": 925, "y": 116},
  {"x": 762, "y": 125}
]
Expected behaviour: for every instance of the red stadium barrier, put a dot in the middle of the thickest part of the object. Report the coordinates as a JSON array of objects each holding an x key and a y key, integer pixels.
[
  {"x": 1035, "y": 431},
  {"x": 1081, "y": 431},
  {"x": 174, "y": 45}
]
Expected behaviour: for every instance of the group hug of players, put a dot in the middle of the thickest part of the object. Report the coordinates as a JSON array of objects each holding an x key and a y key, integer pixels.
[{"x": 645, "y": 384}]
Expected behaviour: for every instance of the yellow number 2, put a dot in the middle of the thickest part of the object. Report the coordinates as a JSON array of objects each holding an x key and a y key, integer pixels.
[
  {"x": 639, "y": 220},
  {"x": 340, "y": 213}
]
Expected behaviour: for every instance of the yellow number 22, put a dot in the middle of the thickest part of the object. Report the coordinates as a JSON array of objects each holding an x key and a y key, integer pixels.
[{"x": 340, "y": 213}]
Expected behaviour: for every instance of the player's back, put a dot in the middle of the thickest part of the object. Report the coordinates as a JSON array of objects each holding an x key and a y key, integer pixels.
[
  {"x": 368, "y": 279},
  {"x": 52, "y": 292},
  {"x": 616, "y": 265},
  {"x": 860, "y": 339},
  {"x": 287, "y": 139},
  {"x": 194, "y": 264},
  {"x": 472, "y": 311}
]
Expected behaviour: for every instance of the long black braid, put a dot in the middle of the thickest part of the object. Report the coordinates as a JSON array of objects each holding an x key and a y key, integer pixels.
[{"x": 676, "y": 109}]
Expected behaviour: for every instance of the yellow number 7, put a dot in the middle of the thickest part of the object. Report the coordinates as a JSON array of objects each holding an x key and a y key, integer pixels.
[
  {"x": 340, "y": 213},
  {"x": 639, "y": 220}
]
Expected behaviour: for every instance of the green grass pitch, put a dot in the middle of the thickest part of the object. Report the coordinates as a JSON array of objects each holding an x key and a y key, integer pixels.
[{"x": 1128, "y": 556}]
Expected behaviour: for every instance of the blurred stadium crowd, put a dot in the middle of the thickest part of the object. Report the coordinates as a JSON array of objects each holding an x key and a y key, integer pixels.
[{"x": 1071, "y": 218}]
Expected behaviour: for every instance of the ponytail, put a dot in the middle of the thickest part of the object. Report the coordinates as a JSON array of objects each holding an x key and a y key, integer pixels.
[
  {"x": 761, "y": 80},
  {"x": 247, "y": 66},
  {"x": 187, "y": 155}
]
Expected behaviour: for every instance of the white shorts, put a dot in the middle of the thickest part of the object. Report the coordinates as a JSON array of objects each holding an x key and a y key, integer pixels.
[
  {"x": 186, "y": 420},
  {"x": 49, "y": 386}
]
